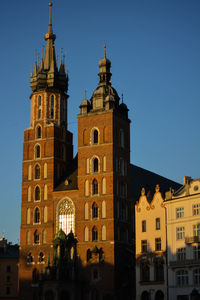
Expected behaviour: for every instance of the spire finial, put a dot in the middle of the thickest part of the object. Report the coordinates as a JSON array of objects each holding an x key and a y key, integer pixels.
[
  {"x": 104, "y": 51},
  {"x": 122, "y": 96},
  {"x": 50, "y": 5},
  {"x": 85, "y": 94},
  {"x": 61, "y": 55}
]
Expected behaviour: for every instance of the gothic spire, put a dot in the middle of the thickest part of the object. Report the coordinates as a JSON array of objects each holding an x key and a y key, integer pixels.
[{"x": 50, "y": 57}]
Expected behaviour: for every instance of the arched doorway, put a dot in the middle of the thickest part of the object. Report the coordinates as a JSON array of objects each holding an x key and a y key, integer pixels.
[
  {"x": 159, "y": 295},
  {"x": 145, "y": 296},
  {"x": 49, "y": 295}
]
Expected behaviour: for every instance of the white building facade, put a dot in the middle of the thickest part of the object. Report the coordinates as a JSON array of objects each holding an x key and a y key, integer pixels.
[{"x": 183, "y": 241}]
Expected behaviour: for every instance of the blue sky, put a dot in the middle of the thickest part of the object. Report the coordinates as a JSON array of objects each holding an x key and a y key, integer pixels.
[{"x": 154, "y": 47}]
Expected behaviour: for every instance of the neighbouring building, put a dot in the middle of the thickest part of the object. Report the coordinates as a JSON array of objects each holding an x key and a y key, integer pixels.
[
  {"x": 183, "y": 240},
  {"x": 150, "y": 236},
  {"x": 9, "y": 259},
  {"x": 77, "y": 212}
]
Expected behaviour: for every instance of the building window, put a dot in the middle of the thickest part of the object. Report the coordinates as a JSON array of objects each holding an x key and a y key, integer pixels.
[
  {"x": 38, "y": 132},
  {"x": 196, "y": 276},
  {"x": 158, "y": 244},
  {"x": 103, "y": 213},
  {"x": 86, "y": 211},
  {"x": 159, "y": 270},
  {"x": 29, "y": 258},
  {"x": 196, "y": 229},
  {"x": 95, "y": 165},
  {"x": 86, "y": 234},
  {"x": 86, "y": 188},
  {"x": 121, "y": 138},
  {"x": 41, "y": 257},
  {"x": 37, "y": 193},
  {"x": 94, "y": 187},
  {"x": 94, "y": 211},
  {"x": 157, "y": 223},
  {"x": 104, "y": 163},
  {"x": 29, "y": 172},
  {"x": 37, "y": 172},
  {"x": 94, "y": 234},
  {"x": 8, "y": 269},
  {"x": 180, "y": 212},
  {"x": 28, "y": 238},
  {"x": 104, "y": 186},
  {"x": 45, "y": 192},
  {"x": 7, "y": 290},
  {"x": 196, "y": 252},
  {"x": 181, "y": 254},
  {"x": 144, "y": 246},
  {"x": 87, "y": 166},
  {"x": 37, "y": 215},
  {"x": 44, "y": 236},
  {"x": 180, "y": 233},
  {"x": 45, "y": 170},
  {"x": 66, "y": 216},
  {"x": 37, "y": 151},
  {"x": 52, "y": 108},
  {"x": 36, "y": 237},
  {"x": 103, "y": 233},
  {"x": 196, "y": 209},
  {"x": 28, "y": 216},
  {"x": 144, "y": 226},
  {"x": 182, "y": 278},
  {"x": 29, "y": 193},
  {"x": 95, "y": 136},
  {"x": 45, "y": 214},
  {"x": 39, "y": 107},
  {"x": 144, "y": 271}
]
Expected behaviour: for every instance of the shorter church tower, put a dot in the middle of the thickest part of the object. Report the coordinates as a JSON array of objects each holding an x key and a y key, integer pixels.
[
  {"x": 103, "y": 179},
  {"x": 47, "y": 152}
]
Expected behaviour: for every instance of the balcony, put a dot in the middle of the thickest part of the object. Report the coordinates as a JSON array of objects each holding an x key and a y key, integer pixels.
[
  {"x": 192, "y": 239},
  {"x": 184, "y": 263}
]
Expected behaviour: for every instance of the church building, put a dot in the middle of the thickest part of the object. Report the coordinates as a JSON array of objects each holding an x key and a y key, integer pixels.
[{"x": 75, "y": 211}]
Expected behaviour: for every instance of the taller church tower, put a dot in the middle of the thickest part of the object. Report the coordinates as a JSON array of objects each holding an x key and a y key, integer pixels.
[
  {"x": 47, "y": 151},
  {"x": 88, "y": 195}
]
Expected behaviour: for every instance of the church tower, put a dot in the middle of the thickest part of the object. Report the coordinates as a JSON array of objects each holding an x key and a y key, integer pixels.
[
  {"x": 103, "y": 179},
  {"x": 47, "y": 151}
]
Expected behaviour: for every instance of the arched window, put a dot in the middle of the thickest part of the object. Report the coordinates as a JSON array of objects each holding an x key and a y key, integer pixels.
[
  {"x": 159, "y": 295},
  {"x": 36, "y": 237},
  {"x": 86, "y": 211},
  {"x": 52, "y": 107},
  {"x": 94, "y": 187},
  {"x": 104, "y": 185},
  {"x": 28, "y": 216},
  {"x": 37, "y": 193},
  {"x": 145, "y": 295},
  {"x": 94, "y": 211},
  {"x": 95, "y": 136},
  {"x": 29, "y": 193},
  {"x": 39, "y": 107},
  {"x": 95, "y": 164},
  {"x": 103, "y": 233},
  {"x": 45, "y": 214},
  {"x": 94, "y": 234},
  {"x": 144, "y": 271},
  {"x": 86, "y": 234},
  {"x": 121, "y": 138},
  {"x": 37, "y": 151},
  {"x": 104, "y": 163},
  {"x": 29, "y": 258},
  {"x": 37, "y": 215},
  {"x": 44, "y": 236},
  {"x": 45, "y": 170},
  {"x": 103, "y": 213},
  {"x": 29, "y": 172},
  {"x": 41, "y": 257},
  {"x": 86, "y": 188},
  {"x": 66, "y": 216},
  {"x": 38, "y": 132},
  {"x": 45, "y": 192},
  {"x": 28, "y": 238},
  {"x": 159, "y": 270},
  {"x": 88, "y": 255},
  {"x": 37, "y": 172}
]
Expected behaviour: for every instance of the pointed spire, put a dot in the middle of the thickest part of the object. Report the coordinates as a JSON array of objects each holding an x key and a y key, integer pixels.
[
  {"x": 85, "y": 95},
  {"x": 104, "y": 51},
  {"x": 50, "y": 22}
]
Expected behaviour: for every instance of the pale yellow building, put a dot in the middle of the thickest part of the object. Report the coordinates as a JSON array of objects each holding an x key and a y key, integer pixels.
[
  {"x": 183, "y": 241},
  {"x": 150, "y": 247}
]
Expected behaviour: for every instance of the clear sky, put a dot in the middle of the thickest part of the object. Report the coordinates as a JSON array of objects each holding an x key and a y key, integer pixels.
[{"x": 154, "y": 48}]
